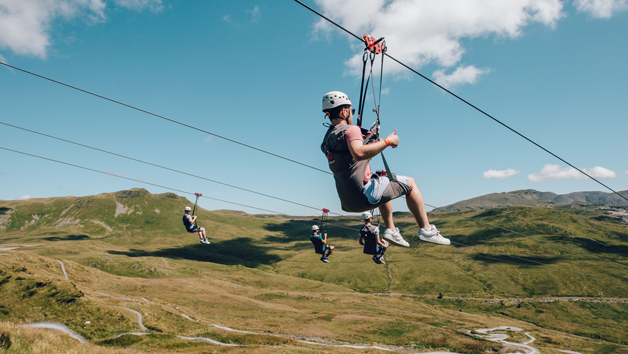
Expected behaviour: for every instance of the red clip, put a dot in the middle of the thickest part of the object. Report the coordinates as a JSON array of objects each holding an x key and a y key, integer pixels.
[
  {"x": 325, "y": 211},
  {"x": 376, "y": 48},
  {"x": 198, "y": 194}
]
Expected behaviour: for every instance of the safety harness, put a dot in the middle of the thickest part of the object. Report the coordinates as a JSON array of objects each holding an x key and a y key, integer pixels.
[{"x": 371, "y": 49}]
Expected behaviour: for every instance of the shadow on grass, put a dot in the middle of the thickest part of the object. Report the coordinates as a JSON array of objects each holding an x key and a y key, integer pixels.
[
  {"x": 593, "y": 245},
  {"x": 67, "y": 238},
  {"x": 3, "y": 210},
  {"x": 239, "y": 251},
  {"x": 525, "y": 261}
]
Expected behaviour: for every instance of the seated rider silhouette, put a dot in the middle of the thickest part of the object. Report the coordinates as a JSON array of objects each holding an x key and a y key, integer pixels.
[
  {"x": 188, "y": 221},
  {"x": 360, "y": 189},
  {"x": 320, "y": 243},
  {"x": 369, "y": 238}
]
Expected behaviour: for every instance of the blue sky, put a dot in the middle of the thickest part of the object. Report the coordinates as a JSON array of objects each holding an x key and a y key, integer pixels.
[{"x": 255, "y": 71}]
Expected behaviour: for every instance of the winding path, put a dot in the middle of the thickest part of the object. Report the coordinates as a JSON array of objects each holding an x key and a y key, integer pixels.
[
  {"x": 58, "y": 327},
  {"x": 63, "y": 269},
  {"x": 139, "y": 317},
  {"x": 501, "y": 338}
]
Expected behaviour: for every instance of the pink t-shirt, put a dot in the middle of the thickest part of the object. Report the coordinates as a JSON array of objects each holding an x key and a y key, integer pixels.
[{"x": 354, "y": 133}]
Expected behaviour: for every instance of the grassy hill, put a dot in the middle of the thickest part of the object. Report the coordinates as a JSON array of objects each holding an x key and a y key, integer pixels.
[{"x": 260, "y": 274}]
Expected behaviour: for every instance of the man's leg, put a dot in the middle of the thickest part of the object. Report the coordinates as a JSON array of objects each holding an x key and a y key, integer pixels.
[
  {"x": 386, "y": 212},
  {"x": 416, "y": 204},
  {"x": 203, "y": 233}
]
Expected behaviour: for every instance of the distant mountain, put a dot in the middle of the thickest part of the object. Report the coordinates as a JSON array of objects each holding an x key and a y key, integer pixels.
[{"x": 531, "y": 197}]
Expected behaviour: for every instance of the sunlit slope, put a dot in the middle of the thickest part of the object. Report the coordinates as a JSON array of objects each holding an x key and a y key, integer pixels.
[{"x": 260, "y": 272}]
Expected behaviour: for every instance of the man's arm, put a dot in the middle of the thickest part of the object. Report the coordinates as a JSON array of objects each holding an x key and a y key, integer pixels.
[
  {"x": 361, "y": 152},
  {"x": 325, "y": 238},
  {"x": 380, "y": 241}
]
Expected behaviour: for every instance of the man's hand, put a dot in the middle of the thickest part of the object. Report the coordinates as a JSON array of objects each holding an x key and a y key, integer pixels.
[
  {"x": 394, "y": 139},
  {"x": 385, "y": 243}
]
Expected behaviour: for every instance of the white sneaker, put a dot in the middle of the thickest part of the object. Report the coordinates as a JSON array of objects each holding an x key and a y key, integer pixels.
[
  {"x": 205, "y": 242},
  {"x": 394, "y": 236},
  {"x": 432, "y": 235}
]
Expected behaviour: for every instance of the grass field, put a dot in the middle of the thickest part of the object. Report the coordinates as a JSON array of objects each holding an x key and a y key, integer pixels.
[{"x": 260, "y": 276}]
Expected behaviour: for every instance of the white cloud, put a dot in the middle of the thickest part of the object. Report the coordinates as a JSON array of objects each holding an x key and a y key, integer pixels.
[
  {"x": 430, "y": 31},
  {"x": 255, "y": 14},
  {"x": 24, "y": 197},
  {"x": 601, "y": 8},
  {"x": 25, "y": 25},
  {"x": 500, "y": 174},
  {"x": 551, "y": 172},
  {"x": 3, "y": 59},
  {"x": 208, "y": 139},
  {"x": 386, "y": 91},
  {"x": 462, "y": 75},
  {"x": 139, "y": 5},
  {"x": 226, "y": 18},
  {"x": 140, "y": 177},
  {"x": 627, "y": 172}
]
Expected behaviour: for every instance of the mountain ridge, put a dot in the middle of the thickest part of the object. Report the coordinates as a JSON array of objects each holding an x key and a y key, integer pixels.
[{"x": 531, "y": 197}]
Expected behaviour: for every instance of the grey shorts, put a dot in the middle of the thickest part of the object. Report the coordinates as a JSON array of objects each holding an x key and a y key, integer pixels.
[{"x": 380, "y": 189}]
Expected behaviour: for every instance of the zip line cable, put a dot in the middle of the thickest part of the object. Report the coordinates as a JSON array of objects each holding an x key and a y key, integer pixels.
[
  {"x": 163, "y": 117},
  {"x": 159, "y": 166},
  {"x": 137, "y": 180},
  {"x": 532, "y": 237},
  {"x": 467, "y": 102}
]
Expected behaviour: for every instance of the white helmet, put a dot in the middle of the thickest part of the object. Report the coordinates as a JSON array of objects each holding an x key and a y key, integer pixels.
[
  {"x": 188, "y": 209},
  {"x": 334, "y": 99},
  {"x": 366, "y": 215},
  {"x": 314, "y": 227}
]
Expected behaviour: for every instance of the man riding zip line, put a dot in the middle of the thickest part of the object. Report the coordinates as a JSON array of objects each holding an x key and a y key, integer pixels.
[
  {"x": 360, "y": 189},
  {"x": 188, "y": 222}
]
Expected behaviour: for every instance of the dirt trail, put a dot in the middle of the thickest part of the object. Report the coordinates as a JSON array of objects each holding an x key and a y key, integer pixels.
[
  {"x": 63, "y": 269},
  {"x": 139, "y": 317},
  {"x": 58, "y": 327},
  {"x": 501, "y": 338}
]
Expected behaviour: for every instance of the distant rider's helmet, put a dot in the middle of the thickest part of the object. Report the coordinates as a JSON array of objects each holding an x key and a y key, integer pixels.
[
  {"x": 188, "y": 209},
  {"x": 334, "y": 99},
  {"x": 366, "y": 216},
  {"x": 314, "y": 227}
]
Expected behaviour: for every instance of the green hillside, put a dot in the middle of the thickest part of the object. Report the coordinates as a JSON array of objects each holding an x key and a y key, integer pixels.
[{"x": 260, "y": 274}]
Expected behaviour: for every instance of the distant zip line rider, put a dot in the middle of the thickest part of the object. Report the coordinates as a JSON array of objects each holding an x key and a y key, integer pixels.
[
  {"x": 360, "y": 189},
  {"x": 189, "y": 222},
  {"x": 369, "y": 238},
  {"x": 320, "y": 243}
]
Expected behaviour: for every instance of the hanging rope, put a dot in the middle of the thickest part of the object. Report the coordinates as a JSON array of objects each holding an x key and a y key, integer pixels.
[
  {"x": 195, "y": 203},
  {"x": 324, "y": 220}
]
